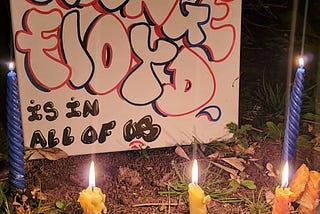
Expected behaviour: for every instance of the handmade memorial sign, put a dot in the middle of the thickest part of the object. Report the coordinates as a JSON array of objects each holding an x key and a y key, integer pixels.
[{"x": 101, "y": 76}]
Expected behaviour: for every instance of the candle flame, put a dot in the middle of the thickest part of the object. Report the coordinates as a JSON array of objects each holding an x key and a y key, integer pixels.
[
  {"x": 195, "y": 172},
  {"x": 92, "y": 176},
  {"x": 301, "y": 62},
  {"x": 11, "y": 66},
  {"x": 285, "y": 175}
]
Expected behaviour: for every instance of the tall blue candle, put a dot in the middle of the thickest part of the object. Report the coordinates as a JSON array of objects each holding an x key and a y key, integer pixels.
[
  {"x": 14, "y": 127},
  {"x": 293, "y": 116}
]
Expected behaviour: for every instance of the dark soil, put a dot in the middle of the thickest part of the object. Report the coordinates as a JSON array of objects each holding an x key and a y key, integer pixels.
[{"x": 132, "y": 180}]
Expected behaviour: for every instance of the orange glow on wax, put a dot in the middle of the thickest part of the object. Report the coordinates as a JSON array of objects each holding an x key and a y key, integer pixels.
[{"x": 195, "y": 172}]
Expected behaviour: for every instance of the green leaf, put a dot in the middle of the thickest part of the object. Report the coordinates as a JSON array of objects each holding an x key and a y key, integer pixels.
[
  {"x": 273, "y": 131},
  {"x": 311, "y": 116},
  {"x": 303, "y": 141},
  {"x": 245, "y": 128},
  {"x": 61, "y": 205},
  {"x": 234, "y": 185},
  {"x": 248, "y": 184},
  {"x": 232, "y": 127}
]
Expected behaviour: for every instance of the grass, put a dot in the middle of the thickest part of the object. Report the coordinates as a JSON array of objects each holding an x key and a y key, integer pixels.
[
  {"x": 257, "y": 204},
  {"x": 270, "y": 97},
  {"x": 215, "y": 185},
  {"x": 4, "y": 205}
]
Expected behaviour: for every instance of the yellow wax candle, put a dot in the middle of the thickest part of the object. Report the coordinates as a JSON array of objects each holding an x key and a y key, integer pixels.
[
  {"x": 197, "y": 198},
  {"x": 92, "y": 199},
  {"x": 283, "y": 195},
  {"x": 282, "y": 201}
]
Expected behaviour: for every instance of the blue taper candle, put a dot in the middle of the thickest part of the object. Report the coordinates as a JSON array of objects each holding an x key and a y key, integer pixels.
[
  {"x": 14, "y": 127},
  {"x": 293, "y": 116}
]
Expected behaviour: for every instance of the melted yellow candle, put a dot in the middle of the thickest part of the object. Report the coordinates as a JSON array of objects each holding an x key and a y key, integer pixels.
[
  {"x": 283, "y": 196},
  {"x": 92, "y": 199},
  {"x": 197, "y": 199},
  {"x": 92, "y": 202},
  {"x": 282, "y": 201}
]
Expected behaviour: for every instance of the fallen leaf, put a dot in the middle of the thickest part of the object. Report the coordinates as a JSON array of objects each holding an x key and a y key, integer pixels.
[
  {"x": 28, "y": 153},
  {"x": 250, "y": 150},
  {"x": 215, "y": 155},
  {"x": 235, "y": 162},
  {"x": 227, "y": 169},
  {"x": 237, "y": 148},
  {"x": 259, "y": 166},
  {"x": 254, "y": 159},
  {"x": 270, "y": 170},
  {"x": 316, "y": 148},
  {"x": 52, "y": 153},
  {"x": 179, "y": 151},
  {"x": 49, "y": 153},
  {"x": 236, "y": 178}
]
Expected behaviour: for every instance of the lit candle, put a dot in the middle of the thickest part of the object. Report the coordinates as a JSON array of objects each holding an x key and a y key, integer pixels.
[
  {"x": 14, "y": 127},
  {"x": 197, "y": 199},
  {"x": 293, "y": 116},
  {"x": 92, "y": 199},
  {"x": 283, "y": 194}
]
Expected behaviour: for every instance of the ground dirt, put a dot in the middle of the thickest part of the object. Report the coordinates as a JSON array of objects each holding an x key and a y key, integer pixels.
[{"x": 133, "y": 180}]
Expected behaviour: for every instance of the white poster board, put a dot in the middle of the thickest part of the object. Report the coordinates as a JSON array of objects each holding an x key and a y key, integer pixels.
[{"x": 101, "y": 76}]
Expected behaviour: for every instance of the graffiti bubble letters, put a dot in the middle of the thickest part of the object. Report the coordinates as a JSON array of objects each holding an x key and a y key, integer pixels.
[
  {"x": 200, "y": 85},
  {"x": 191, "y": 17},
  {"x": 142, "y": 129},
  {"x": 45, "y": 36},
  {"x": 110, "y": 51},
  {"x": 88, "y": 108},
  {"x": 146, "y": 52},
  {"x": 51, "y": 113},
  {"x": 89, "y": 136},
  {"x": 48, "y": 107},
  {"x": 39, "y": 139},
  {"x": 107, "y": 5},
  {"x": 142, "y": 85}
]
